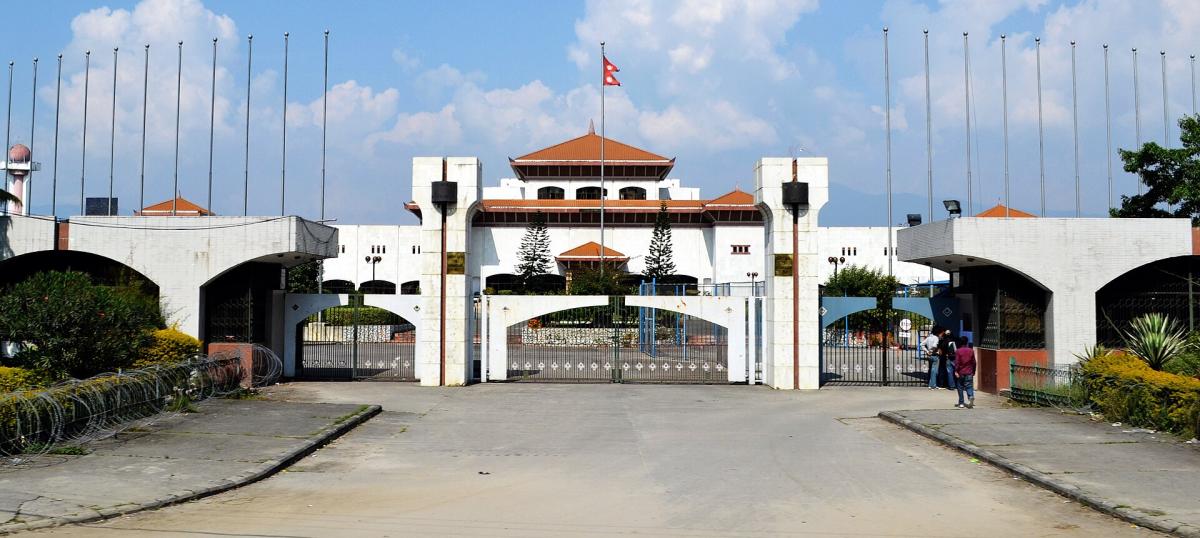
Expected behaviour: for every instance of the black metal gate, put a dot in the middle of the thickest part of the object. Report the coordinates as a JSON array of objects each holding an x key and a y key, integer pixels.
[
  {"x": 619, "y": 344},
  {"x": 881, "y": 346},
  {"x": 356, "y": 342}
]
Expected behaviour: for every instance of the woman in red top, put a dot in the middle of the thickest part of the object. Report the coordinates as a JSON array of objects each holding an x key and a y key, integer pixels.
[{"x": 964, "y": 372}]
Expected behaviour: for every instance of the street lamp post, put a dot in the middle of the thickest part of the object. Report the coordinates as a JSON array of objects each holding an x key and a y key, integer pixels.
[
  {"x": 753, "y": 276},
  {"x": 373, "y": 260},
  {"x": 837, "y": 261}
]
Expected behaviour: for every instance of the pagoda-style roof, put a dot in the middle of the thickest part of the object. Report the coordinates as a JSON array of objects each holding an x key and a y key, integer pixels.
[
  {"x": 1000, "y": 211},
  {"x": 182, "y": 208},
  {"x": 580, "y": 158},
  {"x": 735, "y": 207},
  {"x": 590, "y": 252}
]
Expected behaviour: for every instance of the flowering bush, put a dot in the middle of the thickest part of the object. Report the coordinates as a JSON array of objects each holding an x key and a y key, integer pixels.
[
  {"x": 168, "y": 345},
  {"x": 1126, "y": 389}
]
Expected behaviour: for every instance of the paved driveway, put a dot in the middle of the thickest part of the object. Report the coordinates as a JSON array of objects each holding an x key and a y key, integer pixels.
[{"x": 598, "y": 460}]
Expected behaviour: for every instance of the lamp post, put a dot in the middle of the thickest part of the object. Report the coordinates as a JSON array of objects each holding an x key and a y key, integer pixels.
[
  {"x": 753, "y": 276},
  {"x": 373, "y": 260},
  {"x": 836, "y": 261}
]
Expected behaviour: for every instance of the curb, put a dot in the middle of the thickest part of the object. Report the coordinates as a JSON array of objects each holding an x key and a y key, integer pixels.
[
  {"x": 264, "y": 470},
  {"x": 1045, "y": 481}
]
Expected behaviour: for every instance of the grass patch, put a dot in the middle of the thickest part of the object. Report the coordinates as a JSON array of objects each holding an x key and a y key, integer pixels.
[
  {"x": 350, "y": 415},
  {"x": 246, "y": 394},
  {"x": 57, "y": 450}
]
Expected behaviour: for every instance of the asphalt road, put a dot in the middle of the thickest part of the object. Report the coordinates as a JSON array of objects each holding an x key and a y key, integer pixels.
[{"x": 604, "y": 460}]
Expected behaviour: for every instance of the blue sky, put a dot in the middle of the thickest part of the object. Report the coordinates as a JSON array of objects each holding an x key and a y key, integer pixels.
[{"x": 715, "y": 84}]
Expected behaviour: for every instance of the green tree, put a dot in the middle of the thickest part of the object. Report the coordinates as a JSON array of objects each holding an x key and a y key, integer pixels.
[
  {"x": 857, "y": 281},
  {"x": 303, "y": 278},
  {"x": 6, "y": 196},
  {"x": 593, "y": 281},
  {"x": 660, "y": 262},
  {"x": 69, "y": 326},
  {"x": 534, "y": 256},
  {"x": 1171, "y": 177}
]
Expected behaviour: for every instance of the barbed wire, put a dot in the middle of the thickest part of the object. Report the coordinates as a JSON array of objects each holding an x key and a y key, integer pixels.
[{"x": 80, "y": 411}]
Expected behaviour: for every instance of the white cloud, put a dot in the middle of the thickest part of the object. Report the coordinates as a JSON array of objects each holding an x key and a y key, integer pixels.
[{"x": 404, "y": 60}]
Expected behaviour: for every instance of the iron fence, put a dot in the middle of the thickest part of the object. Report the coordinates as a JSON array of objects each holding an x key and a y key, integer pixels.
[
  {"x": 1057, "y": 387},
  {"x": 356, "y": 342}
]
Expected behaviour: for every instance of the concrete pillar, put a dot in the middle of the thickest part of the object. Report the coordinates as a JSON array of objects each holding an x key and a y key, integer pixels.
[
  {"x": 468, "y": 173},
  {"x": 779, "y": 323},
  {"x": 1070, "y": 325}
]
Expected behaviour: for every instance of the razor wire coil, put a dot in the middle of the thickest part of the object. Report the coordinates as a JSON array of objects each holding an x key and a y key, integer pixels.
[{"x": 78, "y": 411}]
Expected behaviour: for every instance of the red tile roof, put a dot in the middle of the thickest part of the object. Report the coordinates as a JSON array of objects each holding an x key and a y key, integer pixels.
[
  {"x": 183, "y": 207},
  {"x": 587, "y": 149},
  {"x": 590, "y": 251},
  {"x": 734, "y": 197},
  {"x": 1000, "y": 211}
]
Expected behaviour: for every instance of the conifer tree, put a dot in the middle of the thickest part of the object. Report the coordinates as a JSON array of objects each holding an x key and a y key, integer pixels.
[
  {"x": 534, "y": 256},
  {"x": 661, "y": 261}
]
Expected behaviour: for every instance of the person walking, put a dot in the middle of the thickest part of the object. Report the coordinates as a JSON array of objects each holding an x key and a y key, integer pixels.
[
  {"x": 946, "y": 352},
  {"x": 930, "y": 346},
  {"x": 964, "y": 370}
]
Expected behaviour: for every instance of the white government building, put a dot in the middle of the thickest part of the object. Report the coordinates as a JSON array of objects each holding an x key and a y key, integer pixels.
[{"x": 716, "y": 240}]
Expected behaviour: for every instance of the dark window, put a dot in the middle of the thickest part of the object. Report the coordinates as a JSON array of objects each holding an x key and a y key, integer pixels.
[
  {"x": 633, "y": 193},
  {"x": 741, "y": 249},
  {"x": 587, "y": 193},
  {"x": 550, "y": 193}
]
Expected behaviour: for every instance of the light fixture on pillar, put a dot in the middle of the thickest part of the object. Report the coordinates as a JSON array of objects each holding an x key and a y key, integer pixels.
[
  {"x": 914, "y": 219},
  {"x": 794, "y": 195},
  {"x": 373, "y": 260},
  {"x": 836, "y": 261},
  {"x": 953, "y": 207},
  {"x": 444, "y": 195}
]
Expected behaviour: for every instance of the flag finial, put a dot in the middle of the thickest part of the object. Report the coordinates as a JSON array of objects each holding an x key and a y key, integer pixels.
[{"x": 591, "y": 127}]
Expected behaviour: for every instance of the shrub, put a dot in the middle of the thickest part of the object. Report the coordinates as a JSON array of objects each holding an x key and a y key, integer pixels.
[
  {"x": 69, "y": 326},
  {"x": 168, "y": 345},
  {"x": 15, "y": 379},
  {"x": 1155, "y": 339},
  {"x": 1126, "y": 389}
]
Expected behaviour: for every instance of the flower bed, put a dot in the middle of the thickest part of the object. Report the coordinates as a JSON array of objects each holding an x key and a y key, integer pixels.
[{"x": 1125, "y": 389}]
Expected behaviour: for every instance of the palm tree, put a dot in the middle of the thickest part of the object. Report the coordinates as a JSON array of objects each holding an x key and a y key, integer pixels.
[{"x": 6, "y": 196}]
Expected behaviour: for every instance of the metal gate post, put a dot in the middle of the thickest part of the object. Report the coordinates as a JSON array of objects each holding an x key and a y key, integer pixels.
[
  {"x": 887, "y": 327},
  {"x": 354, "y": 338}
]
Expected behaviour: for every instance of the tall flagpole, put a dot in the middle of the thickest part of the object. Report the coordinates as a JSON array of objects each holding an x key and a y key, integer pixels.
[
  {"x": 32, "y": 123},
  {"x": 1166, "y": 116},
  {"x": 1137, "y": 113},
  {"x": 1193, "y": 84},
  {"x": 1075, "y": 122},
  {"x": 1107, "y": 130},
  {"x": 87, "y": 72},
  {"x": 178, "y": 92},
  {"x": 887, "y": 114},
  {"x": 212, "y": 121},
  {"x": 1041, "y": 144},
  {"x": 246, "y": 170},
  {"x": 54, "y": 174},
  {"x": 603, "y": 83},
  {"x": 112, "y": 137},
  {"x": 928, "y": 131},
  {"x": 967, "y": 113},
  {"x": 324, "y": 123},
  {"x": 283, "y": 154},
  {"x": 145, "y": 98},
  {"x": 1004, "y": 93},
  {"x": 7, "y": 133}
]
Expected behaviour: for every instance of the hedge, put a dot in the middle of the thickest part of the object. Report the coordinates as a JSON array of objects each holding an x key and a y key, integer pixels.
[
  {"x": 1125, "y": 389},
  {"x": 167, "y": 346},
  {"x": 14, "y": 379}
]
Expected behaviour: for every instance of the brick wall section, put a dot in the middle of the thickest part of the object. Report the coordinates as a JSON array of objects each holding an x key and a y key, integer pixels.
[{"x": 992, "y": 369}]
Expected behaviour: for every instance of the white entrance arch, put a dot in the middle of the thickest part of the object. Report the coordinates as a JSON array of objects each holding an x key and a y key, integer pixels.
[
  {"x": 299, "y": 306},
  {"x": 728, "y": 312}
]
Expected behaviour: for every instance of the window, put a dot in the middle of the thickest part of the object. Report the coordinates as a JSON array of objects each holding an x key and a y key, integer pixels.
[
  {"x": 550, "y": 193},
  {"x": 741, "y": 249},
  {"x": 633, "y": 193},
  {"x": 588, "y": 193},
  {"x": 343, "y": 249}
]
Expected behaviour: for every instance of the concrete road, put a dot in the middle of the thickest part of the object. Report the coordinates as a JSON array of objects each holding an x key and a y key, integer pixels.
[{"x": 601, "y": 460}]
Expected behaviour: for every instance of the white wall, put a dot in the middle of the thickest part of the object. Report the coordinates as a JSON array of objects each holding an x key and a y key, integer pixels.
[
  {"x": 400, "y": 252},
  {"x": 865, "y": 246}
]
